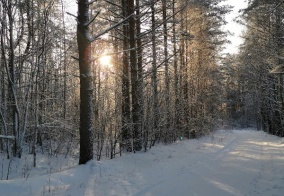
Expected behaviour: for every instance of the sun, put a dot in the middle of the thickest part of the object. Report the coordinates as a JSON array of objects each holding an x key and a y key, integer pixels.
[{"x": 105, "y": 60}]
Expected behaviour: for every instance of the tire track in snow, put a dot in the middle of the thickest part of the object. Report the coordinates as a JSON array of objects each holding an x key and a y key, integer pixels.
[
  {"x": 222, "y": 153},
  {"x": 255, "y": 181}
]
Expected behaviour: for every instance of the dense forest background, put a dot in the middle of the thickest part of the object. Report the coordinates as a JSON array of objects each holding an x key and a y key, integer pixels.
[{"x": 154, "y": 73}]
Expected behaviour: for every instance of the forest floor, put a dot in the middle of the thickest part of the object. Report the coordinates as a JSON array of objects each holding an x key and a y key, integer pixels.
[{"x": 238, "y": 162}]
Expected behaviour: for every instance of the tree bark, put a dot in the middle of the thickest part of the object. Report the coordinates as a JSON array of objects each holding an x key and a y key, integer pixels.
[
  {"x": 139, "y": 68},
  {"x": 86, "y": 85},
  {"x": 167, "y": 79},
  {"x": 154, "y": 76},
  {"x": 125, "y": 82},
  {"x": 136, "y": 133}
]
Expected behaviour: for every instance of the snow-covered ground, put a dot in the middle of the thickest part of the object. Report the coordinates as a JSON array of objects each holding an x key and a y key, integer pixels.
[{"x": 239, "y": 162}]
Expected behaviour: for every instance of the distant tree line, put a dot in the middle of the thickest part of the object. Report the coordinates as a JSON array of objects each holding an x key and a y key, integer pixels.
[{"x": 255, "y": 75}]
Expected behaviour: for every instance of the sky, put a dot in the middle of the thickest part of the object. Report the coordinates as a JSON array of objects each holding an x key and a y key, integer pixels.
[{"x": 234, "y": 27}]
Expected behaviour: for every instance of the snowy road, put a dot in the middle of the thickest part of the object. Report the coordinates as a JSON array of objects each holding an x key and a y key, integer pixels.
[
  {"x": 236, "y": 163},
  {"x": 226, "y": 163}
]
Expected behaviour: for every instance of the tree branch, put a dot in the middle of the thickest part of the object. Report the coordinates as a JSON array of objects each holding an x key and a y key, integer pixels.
[
  {"x": 71, "y": 14},
  {"x": 89, "y": 3},
  {"x": 276, "y": 7},
  {"x": 114, "y": 4},
  {"x": 93, "y": 19},
  {"x": 109, "y": 29},
  {"x": 7, "y": 137},
  {"x": 76, "y": 58}
]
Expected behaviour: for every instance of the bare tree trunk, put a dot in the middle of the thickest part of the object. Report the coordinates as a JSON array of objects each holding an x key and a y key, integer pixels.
[
  {"x": 140, "y": 69},
  {"x": 125, "y": 82},
  {"x": 3, "y": 109},
  {"x": 175, "y": 63},
  {"x": 14, "y": 112},
  {"x": 136, "y": 134},
  {"x": 86, "y": 84},
  {"x": 155, "y": 111},
  {"x": 64, "y": 64},
  {"x": 167, "y": 79}
]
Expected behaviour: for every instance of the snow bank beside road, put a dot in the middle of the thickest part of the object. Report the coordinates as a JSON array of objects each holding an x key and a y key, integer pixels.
[{"x": 239, "y": 162}]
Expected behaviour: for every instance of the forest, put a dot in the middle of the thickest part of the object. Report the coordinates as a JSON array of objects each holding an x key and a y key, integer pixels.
[{"x": 124, "y": 75}]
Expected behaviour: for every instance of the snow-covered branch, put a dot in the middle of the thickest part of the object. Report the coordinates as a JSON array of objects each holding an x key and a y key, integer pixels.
[{"x": 109, "y": 29}]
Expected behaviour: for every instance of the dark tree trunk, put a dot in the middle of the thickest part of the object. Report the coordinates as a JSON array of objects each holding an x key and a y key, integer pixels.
[
  {"x": 139, "y": 67},
  {"x": 167, "y": 79},
  {"x": 175, "y": 63},
  {"x": 125, "y": 82},
  {"x": 86, "y": 85},
  {"x": 14, "y": 113},
  {"x": 136, "y": 134},
  {"x": 154, "y": 75}
]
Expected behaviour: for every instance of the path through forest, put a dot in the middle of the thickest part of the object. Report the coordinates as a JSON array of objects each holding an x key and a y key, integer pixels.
[{"x": 239, "y": 162}]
